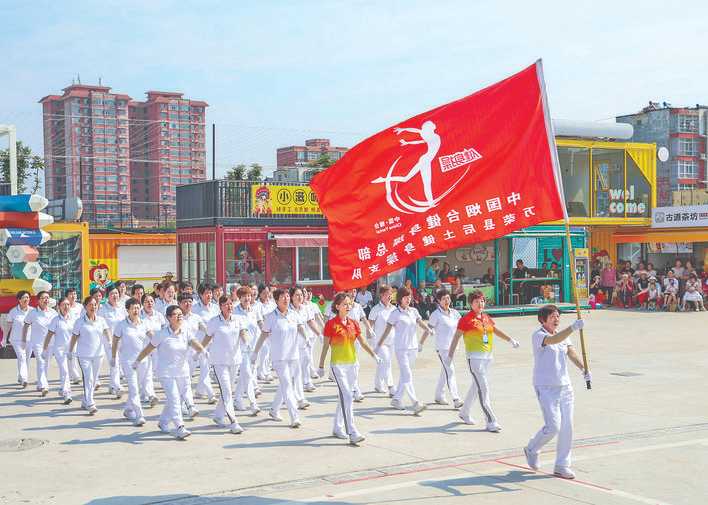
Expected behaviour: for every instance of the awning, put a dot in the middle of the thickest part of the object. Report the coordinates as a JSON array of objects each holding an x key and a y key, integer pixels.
[{"x": 300, "y": 240}]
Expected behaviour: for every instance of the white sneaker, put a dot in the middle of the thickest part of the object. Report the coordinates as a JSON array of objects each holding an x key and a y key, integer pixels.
[
  {"x": 153, "y": 401},
  {"x": 466, "y": 418},
  {"x": 274, "y": 416},
  {"x": 531, "y": 458},
  {"x": 92, "y": 410},
  {"x": 396, "y": 404},
  {"x": 164, "y": 428},
  {"x": 340, "y": 435},
  {"x": 356, "y": 439},
  {"x": 296, "y": 424},
  {"x": 493, "y": 428},
  {"x": 140, "y": 421},
  {"x": 442, "y": 401},
  {"x": 128, "y": 415},
  {"x": 457, "y": 403},
  {"x": 255, "y": 410},
  {"x": 236, "y": 429},
  {"x": 310, "y": 388},
  {"x": 192, "y": 412},
  {"x": 67, "y": 400},
  {"x": 379, "y": 390},
  {"x": 212, "y": 400},
  {"x": 418, "y": 408},
  {"x": 563, "y": 473},
  {"x": 303, "y": 404},
  {"x": 239, "y": 408},
  {"x": 358, "y": 398},
  {"x": 219, "y": 421},
  {"x": 181, "y": 433}
]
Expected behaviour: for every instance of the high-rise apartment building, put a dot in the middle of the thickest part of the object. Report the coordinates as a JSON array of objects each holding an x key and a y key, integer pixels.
[
  {"x": 293, "y": 162},
  {"x": 682, "y": 130},
  {"x": 86, "y": 149},
  {"x": 167, "y": 149},
  {"x": 123, "y": 158}
]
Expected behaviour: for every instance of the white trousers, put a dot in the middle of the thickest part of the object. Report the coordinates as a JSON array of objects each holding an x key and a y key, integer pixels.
[
  {"x": 74, "y": 369},
  {"x": 286, "y": 370},
  {"x": 479, "y": 388},
  {"x": 246, "y": 383},
  {"x": 114, "y": 374},
  {"x": 225, "y": 376},
  {"x": 204, "y": 387},
  {"x": 557, "y": 407},
  {"x": 345, "y": 377},
  {"x": 176, "y": 391},
  {"x": 406, "y": 361},
  {"x": 60, "y": 357},
  {"x": 146, "y": 379},
  {"x": 41, "y": 365},
  {"x": 447, "y": 377},
  {"x": 90, "y": 368},
  {"x": 23, "y": 357},
  {"x": 384, "y": 374},
  {"x": 263, "y": 364},
  {"x": 306, "y": 363},
  {"x": 355, "y": 382},
  {"x": 132, "y": 378}
]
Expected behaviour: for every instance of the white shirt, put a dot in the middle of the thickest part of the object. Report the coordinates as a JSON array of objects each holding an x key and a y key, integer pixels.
[
  {"x": 379, "y": 316},
  {"x": 75, "y": 311},
  {"x": 264, "y": 308},
  {"x": 364, "y": 298},
  {"x": 133, "y": 338},
  {"x": 195, "y": 323},
  {"x": 112, "y": 315},
  {"x": 305, "y": 315},
  {"x": 206, "y": 312},
  {"x": 154, "y": 322},
  {"x": 161, "y": 305},
  {"x": 445, "y": 325},
  {"x": 284, "y": 334},
  {"x": 123, "y": 299},
  {"x": 550, "y": 366},
  {"x": 39, "y": 319},
  {"x": 405, "y": 322},
  {"x": 90, "y": 334},
  {"x": 356, "y": 313},
  {"x": 16, "y": 317},
  {"x": 172, "y": 349},
  {"x": 225, "y": 344},
  {"x": 61, "y": 327},
  {"x": 248, "y": 319}
]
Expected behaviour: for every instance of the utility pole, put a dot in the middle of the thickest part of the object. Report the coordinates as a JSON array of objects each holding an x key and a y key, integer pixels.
[{"x": 213, "y": 151}]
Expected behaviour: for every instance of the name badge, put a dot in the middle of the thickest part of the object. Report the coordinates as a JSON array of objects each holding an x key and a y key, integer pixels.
[{"x": 485, "y": 338}]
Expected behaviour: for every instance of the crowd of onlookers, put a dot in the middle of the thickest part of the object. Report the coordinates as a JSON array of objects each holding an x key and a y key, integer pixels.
[{"x": 671, "y": 287}]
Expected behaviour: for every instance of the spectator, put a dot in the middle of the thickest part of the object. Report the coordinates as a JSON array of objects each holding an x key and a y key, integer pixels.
[
  {"x": 595, "y": 287},
  {"x": 652, "y": 294},
  {"x": 627, "y": 269},
  {"x": 458, "y": 294},
  {"x": 608, "y": 280},
  {"x": 641, "y": 268},
  {"x": 625, "y": 290},
  {"x": 522, "y": 272},
  {"x": 460, "y": 274},
  {"x": 678, "y": 269},
  {"x": 488, "y": 278},
  {"x": 595, "y": 269},
  {"x": 431, "y": 274},
  {"x": 642, "y": 281},
  {"x": 445, "y": 273},
  {"x": 651, "y": 272},
  {"x": 671, "y": 289},
  {"x": 693, "y": 294},
  {"x": 553, "y": 271}
]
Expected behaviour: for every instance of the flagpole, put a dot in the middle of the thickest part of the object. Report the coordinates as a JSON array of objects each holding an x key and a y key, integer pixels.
[{"x": 566, "y": 219}]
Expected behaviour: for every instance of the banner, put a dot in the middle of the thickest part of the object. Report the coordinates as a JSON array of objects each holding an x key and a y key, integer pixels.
[
  {"x": 686, "y": 216},
  {"x": 269, "y": 199},
  {"x": 466, "y": 172}
]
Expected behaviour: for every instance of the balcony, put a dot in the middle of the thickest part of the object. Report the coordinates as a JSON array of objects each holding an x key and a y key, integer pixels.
[{"x": 230, "y": 203}]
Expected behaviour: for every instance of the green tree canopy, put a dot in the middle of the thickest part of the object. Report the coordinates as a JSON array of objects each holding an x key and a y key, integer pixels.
[{"x": 30, "y": 168}]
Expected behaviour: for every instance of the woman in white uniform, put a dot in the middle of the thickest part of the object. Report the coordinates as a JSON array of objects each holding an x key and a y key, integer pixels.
[
  {"x": 56, "y": 344},
  {"x": 76, "y": 310},
  {"x": 36, "y": 326},
  {"x": 264, "y": 305},
  {"x": 283, "y": 328},
  {"x": 303, "y": 380},
  {"x": 225, "y": 334},
  {"x": 340, "y": 333},
  {"x": 551, "y": 351},
  {"x": 89, "y": 332},
  {"x": 155, "y": 321},
  {"x": 248, "y": 319},
  {"x": 378, "y": 317},
  {"x": 130, "y": 337},
  {"x": 319, "y": 322},
  {"x": 16, "y": 320},
  {"x": 172, "y": 343},
  {"x": 406, "y": 320},
  {"x": 443, "y": 322},
  {"x": 113, "y": 313}
]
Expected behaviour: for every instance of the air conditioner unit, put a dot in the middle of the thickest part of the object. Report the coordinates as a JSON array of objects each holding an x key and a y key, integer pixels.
[{"x": 702, "y": 156}]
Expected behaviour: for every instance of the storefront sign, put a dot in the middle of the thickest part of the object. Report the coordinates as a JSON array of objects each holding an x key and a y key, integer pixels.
[
  {"x": 268, "y": 200},
  {"x": 619, "y": 203},
  {"x": 685, "y": 216}
]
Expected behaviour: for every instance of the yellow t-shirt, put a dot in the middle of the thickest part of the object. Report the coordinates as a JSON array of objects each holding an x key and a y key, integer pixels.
[
  {"x": 341, "y": 340},
  {"x": 478, "y": 332}
]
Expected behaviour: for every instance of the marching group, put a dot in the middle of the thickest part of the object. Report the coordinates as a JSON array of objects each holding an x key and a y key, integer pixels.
[{"x": 235, "y": 343}]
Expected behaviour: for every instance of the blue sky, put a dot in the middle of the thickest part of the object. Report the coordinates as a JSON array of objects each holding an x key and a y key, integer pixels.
[{"x": 277, "y": 72}]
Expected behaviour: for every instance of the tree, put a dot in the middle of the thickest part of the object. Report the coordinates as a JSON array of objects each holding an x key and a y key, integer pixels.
[
  {"x": 255, "y": 173},
  {"x": 29, "y": 167},
  {"x": 236, "y": 173},
  {"x": 324, "y": 161}
]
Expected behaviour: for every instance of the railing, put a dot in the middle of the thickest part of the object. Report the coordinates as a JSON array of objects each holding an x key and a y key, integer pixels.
[
  {"x": 230, "y": 203},
  {"x": 128, "y": 215}
]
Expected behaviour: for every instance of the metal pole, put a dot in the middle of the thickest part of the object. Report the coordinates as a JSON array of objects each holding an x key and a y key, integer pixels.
[{"x": 213, "y": 151}]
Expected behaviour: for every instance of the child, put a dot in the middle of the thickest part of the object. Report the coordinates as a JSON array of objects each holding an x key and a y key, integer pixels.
[{"x": 553, "y": 388}]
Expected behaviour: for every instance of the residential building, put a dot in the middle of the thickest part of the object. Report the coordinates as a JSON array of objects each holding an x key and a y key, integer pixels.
[
  {"x": 86, "y": 149},
  {"x": 682, "y": 130},
  {"x": 298, "y": 156},
  {"x": 167, "y": 149}
]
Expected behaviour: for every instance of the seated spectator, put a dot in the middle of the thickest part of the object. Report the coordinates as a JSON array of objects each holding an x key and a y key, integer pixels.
[
  {"x": 651, "y": 272},
  {"x": 625, "y": 290},
  {"x": 693, "y": 297},
  {"x": 642, "y": 281},
  {"x": 641, "y": 269},
  {"x": 596, "y": 289},
  {"x": 460, "y": 274},
  {"x": 652, "y": 297},
  {"x": 458, "y": 294},
  {"x": 678, "y": 269},
  {"x": 595, "y": 269},
  {"x": 488, "y": 278},
  {"x": 671, "y": 289},
  {"x": 627, "y": 269},
  {"x": 445, "y": 273},
  {"x": 553, "y": 271}
]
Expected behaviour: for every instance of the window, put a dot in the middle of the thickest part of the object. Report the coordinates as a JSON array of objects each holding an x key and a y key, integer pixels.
[
  {"x": 281, "y": 264},
  {"x": 688, "y": 124},
  {"x": 244, "y": 262},
  {"x": 312, "y": 264},
  {"x": 681, "y": 187},
  {"x": 687, "y": 147},
  {"x": 637, "y": 198},
  {"x": 575, "y": 171},
  {"x": 686, "y": 169},
  {"x": 608, "y": 172}
]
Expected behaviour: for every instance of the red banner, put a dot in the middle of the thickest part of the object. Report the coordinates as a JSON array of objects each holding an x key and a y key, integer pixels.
[{"x": 466, "y": 172}]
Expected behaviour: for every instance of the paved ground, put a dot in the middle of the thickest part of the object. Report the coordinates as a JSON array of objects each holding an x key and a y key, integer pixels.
[{"x": 641, "y": 437}]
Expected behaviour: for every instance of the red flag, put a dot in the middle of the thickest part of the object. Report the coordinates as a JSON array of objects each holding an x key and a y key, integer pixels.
[{"x": 465, "y": 172}]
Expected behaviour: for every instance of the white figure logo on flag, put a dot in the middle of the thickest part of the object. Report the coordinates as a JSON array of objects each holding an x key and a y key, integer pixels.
[{"x": 424, "y": 167}]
